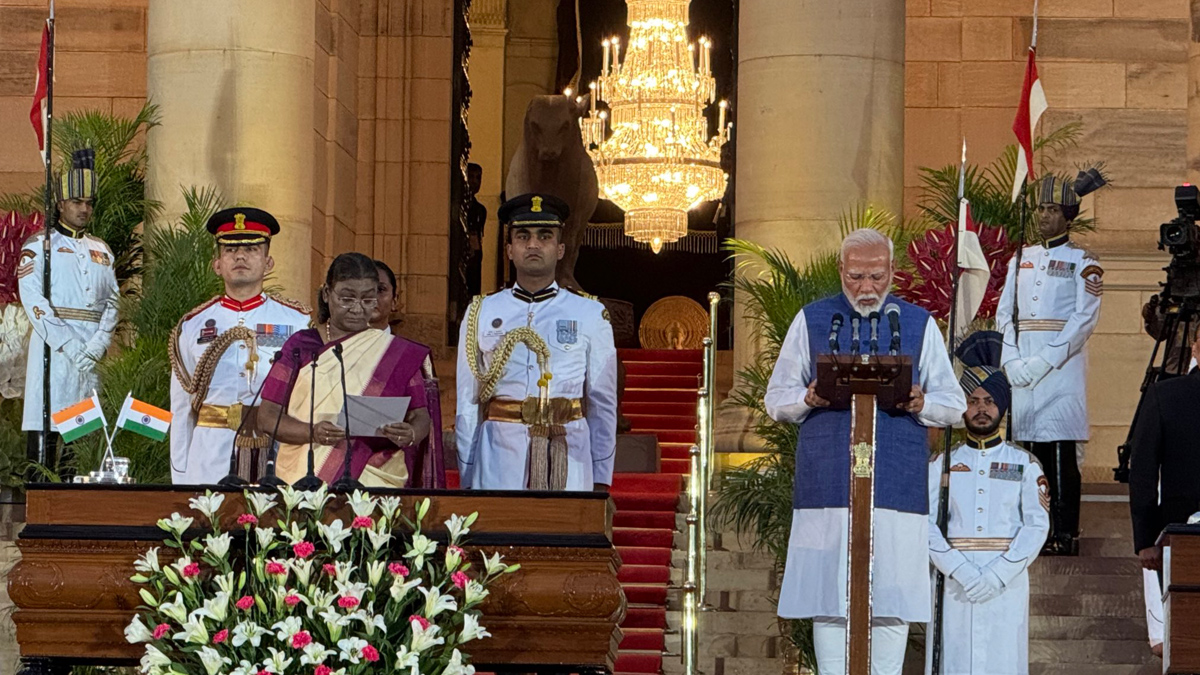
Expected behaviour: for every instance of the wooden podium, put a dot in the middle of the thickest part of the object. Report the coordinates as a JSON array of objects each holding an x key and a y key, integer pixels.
[
  {"x": 558, "y": 614},
  {"x": 862, "y": 383},
  {"x": 1181, "y": 600}
]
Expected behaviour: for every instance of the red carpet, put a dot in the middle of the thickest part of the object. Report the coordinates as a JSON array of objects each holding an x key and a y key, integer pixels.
[{"x": 660, "y": 398}]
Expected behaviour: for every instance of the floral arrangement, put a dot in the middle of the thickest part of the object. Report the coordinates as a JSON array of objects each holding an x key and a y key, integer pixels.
[
  {"x": 301, "y": 596},
  {"x": 928, "y": 284}
]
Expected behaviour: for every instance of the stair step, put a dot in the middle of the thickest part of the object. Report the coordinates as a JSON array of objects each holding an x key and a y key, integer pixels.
[
  {"x": 1152, "y": 668},
  {"x": 675, "y": 466},
  {"x": 645, "y": 594},
  {"x": 638, "y": 662},
  {"x": 1097, "y": 584},
  {"x": 643, "y": 639},
  {"x": 1085, "y": 627},
  {"x": 663, "y": 368},
  {"x": 647, "y": 537},
  {"x": 674, "y": 435},
  {"x": 640, "y": 555},
  {"x": 646, "y": 519},
  {"x": 1130, "y": 605},
  {"x": 639, "y": 355},
  {"x": 1079, "y": 565},
  {"x": 1102, "y": 547},
  {"x": 1111, "y": 652},
  {"x": 629, "y": 483},
  {"x": 644, "y": 617},
  {"x": 671, "y": 408},
  {"x": 643, "y": 574},
  {"x": 688, "y": 395},
  {"x": 675, "y": 450},
  {"x": 662, "y": 381},
  {"x": 655, "y": 423}
]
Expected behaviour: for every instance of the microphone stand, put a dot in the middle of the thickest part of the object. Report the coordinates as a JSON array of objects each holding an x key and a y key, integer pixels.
[
  {"x": 269, "y": 478},
  {"x": 346, "y": 483},
  {"x": 874, "y": 333},
  {"x": 310, "y": 480}
]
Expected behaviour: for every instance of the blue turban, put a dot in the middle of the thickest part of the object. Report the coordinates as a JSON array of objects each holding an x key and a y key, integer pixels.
[{"x": 980, "y": 356}]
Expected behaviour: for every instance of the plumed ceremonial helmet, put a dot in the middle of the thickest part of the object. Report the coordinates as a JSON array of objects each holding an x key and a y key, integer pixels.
[
  {"x": 78, "y": 182},
  {"x": 1067, "y": 193}
]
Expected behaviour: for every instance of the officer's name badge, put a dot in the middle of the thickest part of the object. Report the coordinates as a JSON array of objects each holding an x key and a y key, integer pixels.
[
  {"x": 568, "y": 332},
  {"x": 101, "y": 258},
  {"x": 64, "y": 249},
  {"x": 272, "y": 334},
  {"x": 1004, "y": 471},
  {"x": 1027, "y": 265},
  {"x": 1061, "y": 268},
  {"x": 208, "y": 333}
]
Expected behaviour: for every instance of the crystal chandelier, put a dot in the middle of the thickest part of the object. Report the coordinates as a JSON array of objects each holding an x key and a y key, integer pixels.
[{"x": 659, "y": 161}]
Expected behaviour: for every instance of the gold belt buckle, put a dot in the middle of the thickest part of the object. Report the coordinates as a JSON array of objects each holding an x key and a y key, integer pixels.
[
  {"x": 234, "y": 416},
  {"x": 529, "y": 411}
]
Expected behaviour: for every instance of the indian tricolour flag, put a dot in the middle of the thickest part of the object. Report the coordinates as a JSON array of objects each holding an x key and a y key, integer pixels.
[
  {"x": 80, "y": 419},
  {"x": 143, "y": 418}
]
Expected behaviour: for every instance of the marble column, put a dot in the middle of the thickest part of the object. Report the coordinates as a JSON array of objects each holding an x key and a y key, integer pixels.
[
  {"x": 1193, "y": 96},
  {"x": 234, "y": 84},
  {"x": 820, "y": 129},
  {"x": 489, "y": 35}
]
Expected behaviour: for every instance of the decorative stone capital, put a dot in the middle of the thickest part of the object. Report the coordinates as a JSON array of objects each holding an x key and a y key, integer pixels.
[{"x": 489, "y": 14}]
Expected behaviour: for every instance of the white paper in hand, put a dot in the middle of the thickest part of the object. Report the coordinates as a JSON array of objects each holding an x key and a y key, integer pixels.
[{"x": 369, "y": 414}]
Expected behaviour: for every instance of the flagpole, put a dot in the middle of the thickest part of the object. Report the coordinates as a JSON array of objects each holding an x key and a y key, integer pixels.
[{"x": 43, "y": 452}]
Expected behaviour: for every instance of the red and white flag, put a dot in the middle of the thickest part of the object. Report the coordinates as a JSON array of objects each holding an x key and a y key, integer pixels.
[
  {"x": 1033, "y": 104},
  {"x": 37, "y": 114},
  {"x": 974, "y": 271}
]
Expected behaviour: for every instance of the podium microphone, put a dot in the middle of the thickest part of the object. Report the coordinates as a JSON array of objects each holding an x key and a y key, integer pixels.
[
  {"x": 834, "y": 327},
  {"x": 233, "y": 479},
  {"x": 269, "y": 478},
  {"x": 893, "y": 316},
  {"x": 874, "y": 333},
  {"x": 855, "y": 321},
  {"x": 310, "y": 480},
  {"x": 345, "y": 483}
]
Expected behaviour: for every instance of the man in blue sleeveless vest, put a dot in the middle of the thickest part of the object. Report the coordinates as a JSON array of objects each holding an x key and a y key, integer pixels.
[{"x": 814, "y": 582}]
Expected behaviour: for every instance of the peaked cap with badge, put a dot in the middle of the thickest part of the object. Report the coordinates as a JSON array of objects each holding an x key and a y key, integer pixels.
[
  {"x": 242, "y": 226},
  {"x": 531, "y": 210}
]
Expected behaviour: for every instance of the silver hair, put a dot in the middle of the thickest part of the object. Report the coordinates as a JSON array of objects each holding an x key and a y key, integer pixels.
[{"x": 866, "y": 238}]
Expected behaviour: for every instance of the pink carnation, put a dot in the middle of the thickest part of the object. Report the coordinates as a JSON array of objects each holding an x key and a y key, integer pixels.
[
  {"x": 291, "y": 600},
  {"x": 329, "y": 569},
  {"x": 160, "y": 630},
  {"x": 347, "y": 602},
  {"x": 191, "y": 570},
  {"x": 454, "y": 549},
  {"x": 276, "y": 568},
  {"x": 221, "y": 636},
  {"x": 244, "y": 603},
  {"x": 362, "y": 523},
  {"x": 303, "y": 549},
  {"x": 398, "y": 569},
  {"x": 247, "y": 519},
  {"x": 370, "y": 654},
  {"x": 460, "y": 579},
  {"x": 419, "y": 620},
  {"x": 323, "y": 670},
  {"x": 301, "y": 640}
]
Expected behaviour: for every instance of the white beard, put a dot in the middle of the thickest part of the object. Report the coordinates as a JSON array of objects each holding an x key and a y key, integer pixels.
[{"x": 864, "y": 305}]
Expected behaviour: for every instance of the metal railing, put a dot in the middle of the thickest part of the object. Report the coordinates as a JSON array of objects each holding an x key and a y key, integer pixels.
[{"x": 701, "y": 459}]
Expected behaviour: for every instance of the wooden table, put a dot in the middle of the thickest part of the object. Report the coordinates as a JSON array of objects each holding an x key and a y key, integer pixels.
[
  {"x": 558, "y": 614},
  {"x": 1181, "y": 600}
]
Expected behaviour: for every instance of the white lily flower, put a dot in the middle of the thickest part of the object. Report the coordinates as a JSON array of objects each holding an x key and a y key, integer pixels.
[
  {"x": 248, "y": 631},
  {"x": 217, "y": 606},
  {"x": 351, "y": 649},
  {"x": 208, "y": 505},
  {"x": 294, "y": 535},
  {"x": 180, "y": 563},
  {"x": 471, "y": 629},
  {"x": 457, "y": 527},
  {"x": 456, "y": 666},
  {"x": 218, "y": 546},
  {"x": 278, "y": 661},
  {"x": 334, "y": 534},
  {"x": 225, "y": 583},
  {"x": 194, "y": 631},
  {"x": 154, "y": 659},
  {"x": 148, "y": 563},
  {"x": 362, "y": 504},
  {"x": 320, "y": 600},
  {"x": 379, "y": 539},
  {"x": 343, "y": 570},
  {"x": 315, "y": 654},
  {"x": 212, "y": 660},
  {"x": 334, "y": 619},
  {"x": 244, "y": 668},
  {"x": 176, "y": 524},
  {"x": 388, "y": 506},
  {"x": 474, "y": 592},
  {"x": 375, "y": 571},
  {"x": 424, "y": 638},
  {"x": 291, "y": 496},
  {"x": 137, "y": 631},
  {"x": 260, "y": 502},
  {"x": 407, "y": 659},
  {"x": 284, "y": 630},
  {"x": 354, "y": 589},
  {"x": 436, "y": 603},
  {"x": 400, "y": 588},
  {"x": 421, "y": 547},
  {"x": 302, "y": 570},
  {"x": 493, "y": 565},
  {"x": 264, "y": 535},
  {"x": 176, "y": 609},
  {"x": 316, "y": 500},
  {"x": 369, "y": 620}
]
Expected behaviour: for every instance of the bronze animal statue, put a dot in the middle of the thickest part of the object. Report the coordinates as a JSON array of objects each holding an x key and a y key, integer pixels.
[{"x": 552, "y": 160}]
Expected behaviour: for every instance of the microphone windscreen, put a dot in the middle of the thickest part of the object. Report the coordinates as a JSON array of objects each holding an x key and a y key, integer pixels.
[{"x": 892, "y": 308}]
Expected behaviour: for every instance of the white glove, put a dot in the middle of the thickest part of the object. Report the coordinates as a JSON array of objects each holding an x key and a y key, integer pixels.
[
  {"x": 986, "y": 587},
  {"x": 1037, "y": 368},
  {"x": 1018, "y": 373},
  {"x": 967, "y": 574},
  {"x": 94, "y": 352},
  {"x": 76, "y": 353}
]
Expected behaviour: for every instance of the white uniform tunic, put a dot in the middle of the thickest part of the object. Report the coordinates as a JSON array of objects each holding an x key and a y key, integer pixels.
[
  {"x": 494, "y": 455},
  {"x": 995, "y": 493},
  {"x": 1060, "y": 289},
  {"x": 819, "y": 537},
  {"x": 77, "y": 321},
  {"x": 200, "y": 455}
]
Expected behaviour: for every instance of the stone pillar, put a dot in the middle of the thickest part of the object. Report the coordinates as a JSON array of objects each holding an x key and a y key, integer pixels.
[
  {"x": 1193, "y": 96},
  {"x": 820, "y": 128},
  {"x": 234, "y": 85},
  {"x": 489, "y": 35}
]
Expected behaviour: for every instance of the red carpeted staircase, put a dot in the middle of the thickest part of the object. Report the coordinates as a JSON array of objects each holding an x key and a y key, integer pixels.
[{"x": 660, "y": 398}]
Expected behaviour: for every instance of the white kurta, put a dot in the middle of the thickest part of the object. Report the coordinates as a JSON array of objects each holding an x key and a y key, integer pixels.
[
  {"x": 814, "y": 579},
  {"x": 583, "y": 361},
  {"x": 1059, "y": 302},
  {"x": 995, "y": 493},
  {"x": 77, "y": 321},
  {"x": 200, "y": 455}
]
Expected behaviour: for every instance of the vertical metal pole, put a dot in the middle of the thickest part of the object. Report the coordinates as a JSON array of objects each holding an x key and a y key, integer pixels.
[
  {"x": 43, "y": 452},
  {"x": 691, "y": 575}
]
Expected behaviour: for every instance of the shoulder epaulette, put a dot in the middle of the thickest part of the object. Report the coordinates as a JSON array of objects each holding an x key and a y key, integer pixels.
[
  {"x": 33, "y": 237},
  {"x": 293, "y": 304},
  {"x": 199, "y": 308},
  {"x": 581, "y": 294},
  {"x": 1087, "y": 253},
  {"x": 98, "y": 240}
]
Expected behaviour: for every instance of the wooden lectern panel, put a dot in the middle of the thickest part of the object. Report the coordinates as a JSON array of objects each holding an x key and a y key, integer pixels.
[
  {"x": 560, "y": 611},
  {"x": 1181, "y": 603},
  {"x": 862, "y": 530}
]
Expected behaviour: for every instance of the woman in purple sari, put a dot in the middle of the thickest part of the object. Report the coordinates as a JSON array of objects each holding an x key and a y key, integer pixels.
[{"x": 376, "y": 364}]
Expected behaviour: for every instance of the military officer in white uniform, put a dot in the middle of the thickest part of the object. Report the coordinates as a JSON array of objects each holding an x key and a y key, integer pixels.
[
  {"x": 1056, "y": 287},
  {"x": 516, "y": 412},
  {"x": 79, "y": 317},
  {"x": 221, "y": 352},
  {"x": 999, "y": 504}
]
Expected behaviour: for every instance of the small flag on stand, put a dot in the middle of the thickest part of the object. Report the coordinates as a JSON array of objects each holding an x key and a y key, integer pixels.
[
  {"x": 76, "y": 421},
  {"x": 143, "y": 418}
]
